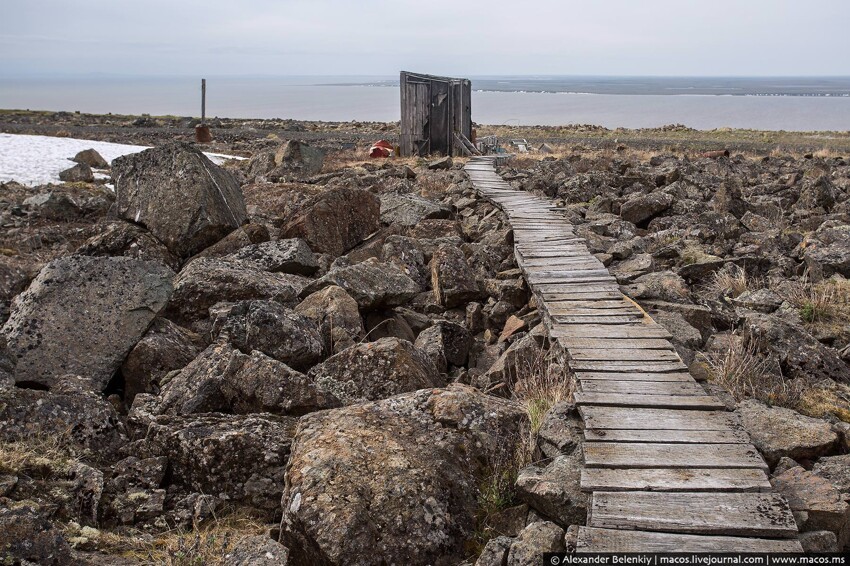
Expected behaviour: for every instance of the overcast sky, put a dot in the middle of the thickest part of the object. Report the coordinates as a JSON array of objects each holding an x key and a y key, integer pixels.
[{"x": 461, "y": 37}]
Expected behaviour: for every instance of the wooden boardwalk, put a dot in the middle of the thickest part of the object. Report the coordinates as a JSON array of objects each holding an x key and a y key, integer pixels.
[{"x": 667, "y": 467}]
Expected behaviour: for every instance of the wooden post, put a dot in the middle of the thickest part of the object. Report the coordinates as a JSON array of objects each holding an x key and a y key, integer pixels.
[{"x": 202, "y": 131}]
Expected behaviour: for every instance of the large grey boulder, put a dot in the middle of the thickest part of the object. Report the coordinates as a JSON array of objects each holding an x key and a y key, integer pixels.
[
  {"x": 164, "y": 348},
  {"x": 336, "y": 314},
  {"x": 371, "y": 283},
  {"x": 275, "y": 330},
  {"x": 800, "y": 355},
  {"x": 642, "y": 208},
  {"x": 279, "y": 256},
  {"x": 410, "y": 210},
  {"x": 376, "y": 370},
  {"x": 67, "y": 416},
  {"x": 778, "y": 432},
  {"x": 83, "y": 315},
  {"x": 223, "y": 379},
  {"x": 335, "y": 221},
  {"x": 241, "y": 458},
  {"x": 177, "y": 193},
  {"x": 393, "y": 481},
  {"x": 128, "y": 240},
  {"x": 207, "y": 281},
  {"x": 452, "y": 280},
  {"x": 297, "y": 156}
]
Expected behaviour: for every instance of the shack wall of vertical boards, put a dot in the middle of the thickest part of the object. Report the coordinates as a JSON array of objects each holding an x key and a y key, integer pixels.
[{"x": 432, "y": 110}]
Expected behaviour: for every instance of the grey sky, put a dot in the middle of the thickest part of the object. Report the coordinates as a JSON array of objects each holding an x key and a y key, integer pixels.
[{"x": 325, "y": 37}]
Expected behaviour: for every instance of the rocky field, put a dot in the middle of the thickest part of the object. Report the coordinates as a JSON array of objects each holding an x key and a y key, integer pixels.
[{"x": 311, "y": 358}]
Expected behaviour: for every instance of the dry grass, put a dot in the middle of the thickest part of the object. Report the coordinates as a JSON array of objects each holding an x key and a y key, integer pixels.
[
  {"x": 40, "y": 456},
  {"x": 824, "y": 400},
  {"x": 745, "y": 373},
  {"x": 540, "y": 385},
  {"x": 822, "y": 302},
  {"x": 732, "y": 282},
  {"x": 206, "y": 545}
]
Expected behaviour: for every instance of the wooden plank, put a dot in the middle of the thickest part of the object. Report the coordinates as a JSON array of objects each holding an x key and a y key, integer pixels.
[
  {"x": 669, "y": 455},
  {"x": 631, "y": 343},
  {"x": 642, "y": 387},
  {"x": 638, "y": 330},
  {"x": 581, "y": 365},
  {"x": 624, "y": 354},
  {"x": 681, "y": 479},
  {"x": 729, "y": 436},
  {"x": 630, "y": 313},
  {"x": 711, "y": 513},
  {"x": 656, "y": 419},
  {"x": 702, "y": 402},
  {"x": 581, "y": 295},
  {"x": 555, "y": 306},
  {"x": 636, "y": 376},
  {"x": 592, "y": 539},
  {"x": 598, "y": 318}
]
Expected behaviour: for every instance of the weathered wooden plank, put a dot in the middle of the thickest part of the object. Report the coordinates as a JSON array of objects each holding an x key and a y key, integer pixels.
[
  {"x": 630, "y": 343},
  {"x": 631, "y": 314},
  {"x": 581, "y": 295},
  {"x": 679, "y": 479},
  {"x": 711, "y": 513},
  {"x": 598, "y": 318},
  {"x": 581, "y": 365},
  {"x": 624, "y": 354},
  {"x": 641, "y": 387},
  {"x": 702, "y": 402},
  {"x": 636, "y": 376},
  {"x": 637, "y": 330},
  {"x": 669, "y": 455},
  {"x": 592, "y": 539},
  {"x": 729, "y": 436},
  {"x": 656, "y": 419},
  {"x": 555, "y": 306}
]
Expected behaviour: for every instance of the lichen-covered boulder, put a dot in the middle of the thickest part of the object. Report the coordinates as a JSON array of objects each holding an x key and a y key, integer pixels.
[
  {"x": 778, "y": 432},
  {"x": 393, "y": 481},
  {"x": 207, "y": 281},
  {"x": 337, "y": 316},
  {"x": 409, "y": 210},
  {"x": 241, "y": 458},
  {"x": 376, "y": 370},
  {"x": 371, "y": 283},
  {"x": 125, "y": 239},
  {"x": 335, "y": 221},
  {"x": 279, "y": 256},
  {"x": 275, "y": 330},
  {"x": 223, "y": 379},
  {"x": 177, "y": 193},
  {"x": 452, "y": 279},
  {"x": 165, "y": 347},
  {"x": 83, "y": 315}
]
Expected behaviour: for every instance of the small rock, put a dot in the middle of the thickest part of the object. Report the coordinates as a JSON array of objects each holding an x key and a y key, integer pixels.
[
  {"x": 442, "y": 163},
  {"x": 257, "y": 550},
  {"x": 512, "y": 326},
  {"x": 337, "y": 316},
  {"x": 535, "y": 539},
  {"x": 451, "y": 278},
  {"x": 554, "y": 490},
  {"x": 409, "y": 210},
  {"x": 79, "y": 173},
  {"x": 495, "y": 552},
  {"x": 298, "y": 156},
  {"x": 91, "y": 158}
]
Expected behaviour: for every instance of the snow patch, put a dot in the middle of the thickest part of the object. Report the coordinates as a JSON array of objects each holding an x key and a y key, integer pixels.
[{"x": 38, "y": 160}]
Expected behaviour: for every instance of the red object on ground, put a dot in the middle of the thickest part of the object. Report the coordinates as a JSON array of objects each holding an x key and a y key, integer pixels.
[{"x": 381, "y": 148}]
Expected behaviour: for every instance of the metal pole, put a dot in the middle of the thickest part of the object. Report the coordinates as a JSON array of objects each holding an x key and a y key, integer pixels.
[{"x": 203, "y": 101}]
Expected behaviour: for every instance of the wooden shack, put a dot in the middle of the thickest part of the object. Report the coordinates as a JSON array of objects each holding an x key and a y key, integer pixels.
[{"x": 436, "y": 115}]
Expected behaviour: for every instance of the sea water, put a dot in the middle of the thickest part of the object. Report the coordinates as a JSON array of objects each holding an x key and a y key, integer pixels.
[{"x": 799, "y": 104}]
